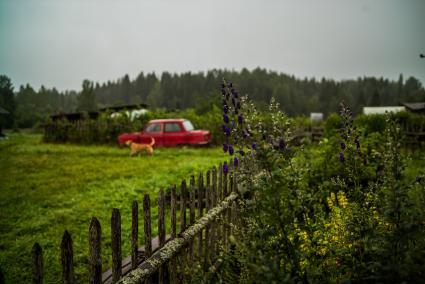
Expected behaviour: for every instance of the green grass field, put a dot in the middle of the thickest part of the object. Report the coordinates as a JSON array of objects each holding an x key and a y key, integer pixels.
[{"x": 47, "y": 188}]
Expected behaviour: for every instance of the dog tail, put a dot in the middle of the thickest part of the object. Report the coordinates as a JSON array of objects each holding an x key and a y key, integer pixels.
[{"x": 153, "y": 141}]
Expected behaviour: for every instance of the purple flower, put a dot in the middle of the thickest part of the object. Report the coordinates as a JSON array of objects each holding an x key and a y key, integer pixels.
[
  {"x": 238, "y": 105},
  {"x": 254, "y": 146},
  {"x": 242, "y": 153},
  {"x": 357, "y": 141},
  {"x": 225, "y": 109},
  {"x": 240, "y": 119},
  {"x": 341, "y": 157},
  {"x": 231, "y": 150},
  {"x": 225, "y": 118},
  {"x": 282, "y": 144},
  {"x": 227, "y": 131},
  {"x": 236, "y": 162},
  {"x": 225, "y": 147},
  {"x": 235, "y": 94},
  {"x": 342, "y": 145},
  {"x": 230, "y": 85},
  {"x": 225, "y": 168}
]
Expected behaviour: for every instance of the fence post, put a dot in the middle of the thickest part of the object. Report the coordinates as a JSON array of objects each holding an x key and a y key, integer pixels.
[
  {"x": 173, "y": 277},
  {"x": 214, "y": 203},
  {"x": 95, "y": 257},
  {"x": 37, "y": 265},
  {"x": 183, "y": 206},
  {"x": 134, "y": 234},
  {"x": 183, "y": 226},
  {"x": 161, "y": 231},
  {"x": 147, "y": 228},
  {"x": 192, "y": 211},
  {"x": 116, "y": 245},
  {"x": 207, "y": 228},
  {"x": 200, "y": 209},
  {"x": 67, "y": 259}
]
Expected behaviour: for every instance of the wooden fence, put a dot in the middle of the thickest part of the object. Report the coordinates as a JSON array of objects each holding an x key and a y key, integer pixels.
[{"x": 205, "y": 214}]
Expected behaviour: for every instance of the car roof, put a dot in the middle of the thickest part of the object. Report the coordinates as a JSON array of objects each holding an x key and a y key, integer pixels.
[{"x": 167, "y": 120}]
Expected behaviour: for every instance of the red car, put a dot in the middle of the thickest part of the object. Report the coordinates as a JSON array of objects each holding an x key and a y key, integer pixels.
[{"x": 168, "y": 133}]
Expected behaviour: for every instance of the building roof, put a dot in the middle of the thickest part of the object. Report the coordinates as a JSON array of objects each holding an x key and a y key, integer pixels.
[
  {"x": 415, "y": 106},
  {"x": 3, "y": 111},
  {"x": 382, "y": 110},
  {"x": 95, "y": 114},
  {"x": 124, "y": 107}
]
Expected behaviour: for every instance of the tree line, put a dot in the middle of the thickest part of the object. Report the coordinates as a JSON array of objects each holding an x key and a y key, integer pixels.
[{"x": 200, "y": 91}]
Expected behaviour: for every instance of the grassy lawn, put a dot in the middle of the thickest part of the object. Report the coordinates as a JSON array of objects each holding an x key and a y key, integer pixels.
[{"x": 47, "y": 188}]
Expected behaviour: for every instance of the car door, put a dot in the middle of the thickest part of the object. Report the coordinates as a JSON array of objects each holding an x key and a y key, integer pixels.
[
  {"x": 173, "y": 134},
  {"x": 154, "y": 130}
]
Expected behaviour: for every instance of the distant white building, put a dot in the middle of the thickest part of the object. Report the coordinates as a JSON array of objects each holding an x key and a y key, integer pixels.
[
  {"x": 316, "y": 116},
  {"x": 382, "y": 110}
]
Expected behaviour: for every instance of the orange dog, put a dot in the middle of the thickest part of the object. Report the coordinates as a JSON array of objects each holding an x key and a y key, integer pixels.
[{"x": 136, "y": 148}]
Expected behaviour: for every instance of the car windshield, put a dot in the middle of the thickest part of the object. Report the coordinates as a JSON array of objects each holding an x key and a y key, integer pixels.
[{"x": 188, "y": 125}]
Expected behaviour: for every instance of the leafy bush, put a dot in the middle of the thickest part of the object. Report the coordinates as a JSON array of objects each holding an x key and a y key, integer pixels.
[
  {"x": 106, "y": 129},
  {"x": 340, "y": 211}
]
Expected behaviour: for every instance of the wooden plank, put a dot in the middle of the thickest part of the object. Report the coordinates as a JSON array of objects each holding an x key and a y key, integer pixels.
[
  {"x": 173, "y": 247},
  {"x": 192, "y": 200},
  {"x": 200, "y": 211},
  {"x": 173, "y": 212},
  {"x": 116, "y": 245},
  {"x": 192, "y": 212},
  {"x": 37, "y": 264},
  {"x": 134, "y": 234},
  {"x": 147, "y": 225},
  {"x": 206, "y": 244},
  {"x": 161, "y": 231},
  {"x": 95, "y": 256},
  {"x": 183, "y": 206},
  {"x": 173, "y": 274},
  {"x": 147, "y": 228},
  {"x": 67, "y": 259}
]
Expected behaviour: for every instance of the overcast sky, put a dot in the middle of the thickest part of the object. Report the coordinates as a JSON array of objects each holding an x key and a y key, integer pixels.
[{"x": 60, "y": 43}]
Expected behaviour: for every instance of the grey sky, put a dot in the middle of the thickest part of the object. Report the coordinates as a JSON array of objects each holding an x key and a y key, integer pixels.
[{"x": 60, "y": 43}]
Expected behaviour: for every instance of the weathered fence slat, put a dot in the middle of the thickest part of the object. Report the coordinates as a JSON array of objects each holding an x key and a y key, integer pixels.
[
  {"x": 192, "y": 211},
  {"x": 207, "y": 228},
  {"x": 134, "y": 234},
  {"x": 67, "y": 259},
  {"x": 95, "y": 256},
  {"x": 174, "y": 246},
  {"x": 173, "y": 276},
  {"x": 200, "y": 210},
  {"x": 116, "y": 245},
  {"x": 214, "y": 203},
  {"x": 37, "y": 264},
  {"x": 147, "y": 225},
  {"x": 161, "y": 231},
  {"x": 183, "y": 206}
]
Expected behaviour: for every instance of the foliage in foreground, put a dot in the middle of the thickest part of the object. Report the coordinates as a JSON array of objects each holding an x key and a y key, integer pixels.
[{"x": 342, "y": 212}]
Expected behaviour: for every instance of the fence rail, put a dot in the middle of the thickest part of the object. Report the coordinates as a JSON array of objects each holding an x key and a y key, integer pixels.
[{"x": 204, "y": 211}]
